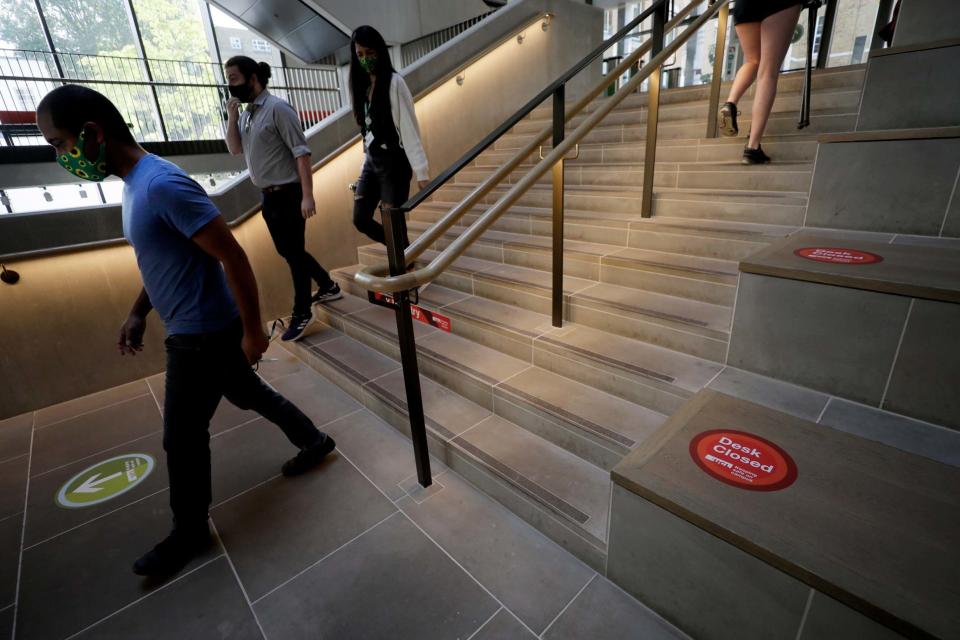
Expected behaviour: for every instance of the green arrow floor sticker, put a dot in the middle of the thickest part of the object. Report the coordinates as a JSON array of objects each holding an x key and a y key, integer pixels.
[{"x": 105, "y": 480}]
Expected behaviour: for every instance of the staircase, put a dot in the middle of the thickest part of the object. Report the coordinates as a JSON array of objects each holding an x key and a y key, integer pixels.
[{"x": 537, "y": 416}]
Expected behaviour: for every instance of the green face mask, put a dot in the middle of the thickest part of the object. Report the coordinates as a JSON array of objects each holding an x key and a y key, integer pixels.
[
  {"x": 369, "y": 63},
  {"x": 76, "y": 163}
]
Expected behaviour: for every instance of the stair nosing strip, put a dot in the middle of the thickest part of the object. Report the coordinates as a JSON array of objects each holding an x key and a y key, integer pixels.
[
  {"x": 570, "y": 418},
  {"x": 382, "y": 393},
  {"x": 530, "y": 487},
  {"x": 624, "y": 366},
  {"x": 646, "y": 312}
]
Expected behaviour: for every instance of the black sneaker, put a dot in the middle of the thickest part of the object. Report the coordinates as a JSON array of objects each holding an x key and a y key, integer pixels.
[
  {"x": 309, "y": 457},
  {"x": 298, "y": 326},
  {"x": 755, "y": 156},
  {"x": 332, "y": 293},
  {"x": 173, "y": 553},
  {"x": 727, "y": 120}
]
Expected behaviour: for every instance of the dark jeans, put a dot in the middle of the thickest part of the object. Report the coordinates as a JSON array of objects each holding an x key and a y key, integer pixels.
[
  {"x": 383, "y": 178},
  {"x": 202, "y": 368},
  {"x": 281, "y": 212}
]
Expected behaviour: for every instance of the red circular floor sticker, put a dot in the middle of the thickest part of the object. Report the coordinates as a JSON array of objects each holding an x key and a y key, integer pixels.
[
  {"x": 743, "y": 460},
  {"x": 838, "y": 255}
]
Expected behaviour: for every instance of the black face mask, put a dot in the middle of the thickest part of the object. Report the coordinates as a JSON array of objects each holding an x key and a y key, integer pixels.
[{"x": 241, "y": 92}]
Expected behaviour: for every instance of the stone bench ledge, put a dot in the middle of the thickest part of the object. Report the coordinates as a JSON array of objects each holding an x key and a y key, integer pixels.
[{"x": 869, "y": 525}]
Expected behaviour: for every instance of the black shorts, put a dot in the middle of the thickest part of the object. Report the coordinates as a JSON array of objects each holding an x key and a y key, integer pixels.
[{"x": 758, "y": 10}]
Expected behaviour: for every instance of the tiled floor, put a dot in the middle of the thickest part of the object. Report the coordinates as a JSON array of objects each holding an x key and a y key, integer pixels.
[{"x": 354, "y": 549}]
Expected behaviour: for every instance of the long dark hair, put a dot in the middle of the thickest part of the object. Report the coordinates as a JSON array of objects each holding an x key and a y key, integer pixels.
[
  {"x": 249, "y": 66},
  {"x": 367, "y": 36}
]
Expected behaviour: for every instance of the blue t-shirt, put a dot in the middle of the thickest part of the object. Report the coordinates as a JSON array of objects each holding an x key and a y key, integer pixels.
[{"x": 162, "y": 210}]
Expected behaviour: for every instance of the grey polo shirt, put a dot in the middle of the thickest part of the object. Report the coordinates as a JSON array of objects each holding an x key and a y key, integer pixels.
[{"x": 272, "y": 140}]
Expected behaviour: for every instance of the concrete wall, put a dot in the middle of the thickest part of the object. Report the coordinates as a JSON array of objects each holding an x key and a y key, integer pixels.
[
  {"x": 58, "y": 326},
  {"x": 911, "y": 89},
  {"x": 403, "y": 20},
  {"x": 893, "y": 352},
  {"x": 895, "y": 186},
  {"x": 927, "y": 21},
  {"x": 711, "y": 589}
]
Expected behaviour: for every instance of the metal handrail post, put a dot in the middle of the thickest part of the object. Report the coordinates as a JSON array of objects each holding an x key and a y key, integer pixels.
[
  {"x": 884, "y": 12},
  {"x": 826, "y": 35},
  {"x": 719, "y": 55},
  {"x": 558, "y": 130},
  {"x": 395, "y": 225},
  {"x": 653, "y": 113}
]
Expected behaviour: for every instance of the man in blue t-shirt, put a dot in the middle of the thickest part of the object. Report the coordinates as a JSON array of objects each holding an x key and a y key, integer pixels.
[{"x": 199, "y": 280}]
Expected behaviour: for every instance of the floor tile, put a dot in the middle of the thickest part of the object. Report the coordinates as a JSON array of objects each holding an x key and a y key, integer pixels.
[
  {"x": 401, "y": 586},
  {"x": 208, "y": 604},
  {"x": 92, "y": 402},
  {"x": 93, "y": 432},
  {"x": 246, "y": 456},
  {"x": 97, "y": 557},
  {"x": 278, "y": 362},
  {"x": 6, "y": 623},
  {"x": 776, "y": 394},
  {"x": 15, "y": 436},
  {"x": 604, "y": 611},
  {"x": 226, "y": 416},
  {"x": 13, "y": 485},
  {"x": 378, "y": 450},
  {"x": 285, "y": 525},
  {"x": 321, "y": 400},
  {"x": 530, "y": 574},
  {"x": 46, "y": 518},
  {"x": 10, "y": 531},
  {"x": 504, "y": 626},
  {"x": 922, "y": 438}
]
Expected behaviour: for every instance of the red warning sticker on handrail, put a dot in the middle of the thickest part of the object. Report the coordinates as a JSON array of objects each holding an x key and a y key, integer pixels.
[
  {"x": 743, "y": 460},
  {"x": 838, "y": 255},
  {"x": 431, "y": 318}
]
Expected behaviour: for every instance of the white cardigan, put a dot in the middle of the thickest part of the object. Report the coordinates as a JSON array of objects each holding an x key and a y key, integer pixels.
[{"x": 405, "y": 120}]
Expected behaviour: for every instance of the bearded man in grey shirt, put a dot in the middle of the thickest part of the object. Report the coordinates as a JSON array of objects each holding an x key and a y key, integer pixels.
[{"x": 269, "y": 136}]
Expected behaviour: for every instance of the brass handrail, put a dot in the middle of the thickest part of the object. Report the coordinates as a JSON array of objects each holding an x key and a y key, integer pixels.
[{"x": 372, "y": 277}]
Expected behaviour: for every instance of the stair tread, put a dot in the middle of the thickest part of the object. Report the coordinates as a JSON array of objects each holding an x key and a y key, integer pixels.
[
  {"x": 555, "y": 471},
  {"x": 683, "y": 310}
]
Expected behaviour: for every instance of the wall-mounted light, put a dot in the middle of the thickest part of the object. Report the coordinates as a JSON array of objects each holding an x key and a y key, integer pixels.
[
  {"x": 520, "y": 38},
  {"x": 460, "y": 79},
  {"x": 47, "y": 195},
  {"x": 82, "y": 192},
  {"x": 10, "y": 277},
  {"x": 546, "y": 21}
]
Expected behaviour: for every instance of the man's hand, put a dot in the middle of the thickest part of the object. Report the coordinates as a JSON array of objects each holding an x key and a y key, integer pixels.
[
  {"x": 233, "y": 110},
  {"x": 131, "y": 335},
  {"x": 254, "y": 344},
  {"x": 308, "y": 207},
  {"x": 422, "y": 184}
]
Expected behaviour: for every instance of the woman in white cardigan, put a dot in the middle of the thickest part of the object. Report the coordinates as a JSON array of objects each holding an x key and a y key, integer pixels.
[{"x": 383, "y": 107}]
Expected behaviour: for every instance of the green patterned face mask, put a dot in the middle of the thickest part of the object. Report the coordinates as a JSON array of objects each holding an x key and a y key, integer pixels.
[
  {"x": 368, "y": 63},
  {"x": 76, "y": 163}
]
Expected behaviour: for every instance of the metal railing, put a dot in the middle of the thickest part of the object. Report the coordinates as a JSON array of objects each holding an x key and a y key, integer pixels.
[
  {"x": 412, "y": 51},
  {"x": 401, "y": 282},
  {"x": 163, "y": 100}
]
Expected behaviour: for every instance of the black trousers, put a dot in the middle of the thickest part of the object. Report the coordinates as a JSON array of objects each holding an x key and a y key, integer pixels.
[
  {"x": 281, "y": 212},
  {"x": 386, "y": 178},
  {"x": 202, "y": 368}
]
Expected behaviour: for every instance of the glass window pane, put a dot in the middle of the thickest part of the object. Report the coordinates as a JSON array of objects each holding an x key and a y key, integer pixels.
[
  {"x": 852, "y": 32},
  {"x": 172, "y": 30},
  {"x": 90, "y": 26},
  {"x": 20, "y": 27}
]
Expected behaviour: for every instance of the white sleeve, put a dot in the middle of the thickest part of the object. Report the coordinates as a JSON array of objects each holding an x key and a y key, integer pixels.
[{"x": 409, "y": 129}]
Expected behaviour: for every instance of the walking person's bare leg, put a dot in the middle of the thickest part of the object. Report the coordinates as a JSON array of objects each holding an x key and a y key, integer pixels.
[
  {"x": 775, "y": 32},
  {"x": 749, "y": 36}
]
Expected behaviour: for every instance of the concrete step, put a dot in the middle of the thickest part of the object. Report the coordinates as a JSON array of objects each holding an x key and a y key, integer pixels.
[
  {"x": 825, "y": 121},
  {"x": 848, "y": 78},
  {"x": 790, "y": 149},
  {"x": 782, "y": 176},
  {"x": 704, "y": 279},
  {"x": 713, "y": 239},
  {"x": 786, "y": 104},
  {"x": 559, "y": 493}
]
